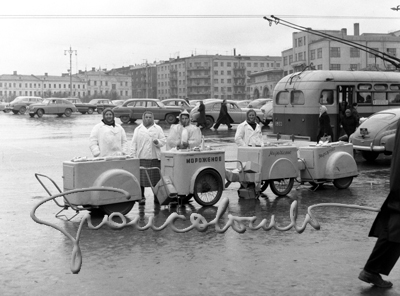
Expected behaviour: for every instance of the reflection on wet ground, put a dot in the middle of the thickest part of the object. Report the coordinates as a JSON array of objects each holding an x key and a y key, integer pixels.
[{"x": 36, "y": 258}]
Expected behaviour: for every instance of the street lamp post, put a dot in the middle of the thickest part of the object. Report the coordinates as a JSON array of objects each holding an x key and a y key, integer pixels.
[{"x": 70, "y": 51}]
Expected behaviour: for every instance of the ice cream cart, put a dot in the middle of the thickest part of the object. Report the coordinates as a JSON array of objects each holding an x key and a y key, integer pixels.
[
  {"x": 120, "y": 172},
  {"x": 197, "y": 173},
  {"x": 280, "y": 164},
  {"x": 331, "y": 162}
]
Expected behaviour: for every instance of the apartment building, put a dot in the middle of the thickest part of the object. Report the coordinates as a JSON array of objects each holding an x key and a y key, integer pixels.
[
  {"x": 103, "y": 83},
  {"x": 210, "y": 76},
  {"x": 13, "y": 85},
  {"x": 327, "y": 54},
  {"x": 262, "y": 83},
  {"x": 143, "y": 79}
]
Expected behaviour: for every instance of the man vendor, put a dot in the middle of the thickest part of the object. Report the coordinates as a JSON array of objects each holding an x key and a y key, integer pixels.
[{"x": 183, "y": 135}]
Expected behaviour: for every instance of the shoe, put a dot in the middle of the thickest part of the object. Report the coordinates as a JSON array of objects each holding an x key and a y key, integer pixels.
[
  {"x": 374, "y": 279},
  {"x": 142, "y": 202}
]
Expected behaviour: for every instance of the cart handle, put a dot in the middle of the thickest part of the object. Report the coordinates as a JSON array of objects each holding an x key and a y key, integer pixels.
[
  {"x": 148, "y": 177},
  {"x": 241, "y": 166}
]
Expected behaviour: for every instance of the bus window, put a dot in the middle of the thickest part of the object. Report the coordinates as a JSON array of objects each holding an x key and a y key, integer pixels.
[
  {"x": 395, "y": 87},
  {"x": 394, "y": 98},
  {"x": 364, "y": 98},
  {"x": 380, "y": 98},
  {"x": 326, "y": 97},
  {"x": 297, "y": 98},
  {"x": 282, "y": 98},
  {"x": 380, "y": 86},
  {"x": 364, "y": 86}
]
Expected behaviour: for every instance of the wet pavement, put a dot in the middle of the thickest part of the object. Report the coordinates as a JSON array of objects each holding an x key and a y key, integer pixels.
[{"x": 36, "y": 258}]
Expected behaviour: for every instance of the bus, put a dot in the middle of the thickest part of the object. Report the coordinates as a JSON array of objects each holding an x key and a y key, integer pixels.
[{"x": 298, "y": 96}]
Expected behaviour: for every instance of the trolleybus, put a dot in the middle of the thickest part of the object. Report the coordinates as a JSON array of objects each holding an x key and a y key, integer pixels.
[{"x": 298, "y": 96}]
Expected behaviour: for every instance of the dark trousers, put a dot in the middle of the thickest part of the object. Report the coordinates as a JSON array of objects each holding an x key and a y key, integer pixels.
[{"x": 384, "y": 255}]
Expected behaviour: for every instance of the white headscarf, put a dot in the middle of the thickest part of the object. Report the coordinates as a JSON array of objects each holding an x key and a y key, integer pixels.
[{"x": 322, "y": 110}]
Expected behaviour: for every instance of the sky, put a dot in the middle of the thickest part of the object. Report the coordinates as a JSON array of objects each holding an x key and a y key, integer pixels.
[{"x": 36, "y": 36}]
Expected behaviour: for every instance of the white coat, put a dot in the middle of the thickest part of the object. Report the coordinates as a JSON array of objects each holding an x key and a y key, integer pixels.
[
  {"x": 179, "y": 134},
  {"x": 106, "y": 140},
  {"x": 246, "y": 136},
  {"x": 142, "y": 145}
]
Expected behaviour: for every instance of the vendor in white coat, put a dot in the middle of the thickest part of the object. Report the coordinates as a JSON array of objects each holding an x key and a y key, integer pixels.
[
  {"x": 107, "y": 137},
  {"x": 147, "y": 140},
  {"x": 183, "y": 135},
  {"x": 249, "y": 133}
]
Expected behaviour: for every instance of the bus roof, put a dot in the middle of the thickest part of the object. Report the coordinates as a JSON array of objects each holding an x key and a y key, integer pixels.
[{"x": 342, "y": 76}]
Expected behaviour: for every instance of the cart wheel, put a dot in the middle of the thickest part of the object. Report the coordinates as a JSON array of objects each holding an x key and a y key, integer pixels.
[
  {"x": 208, "y": 187},
  {"x": 122, "y": 207},
  {"x": 343, "y": 183},
  {"x": 185, "y": 198},
  {"x": 264, "y": 185},
  {"x": 281, "y": 187}
]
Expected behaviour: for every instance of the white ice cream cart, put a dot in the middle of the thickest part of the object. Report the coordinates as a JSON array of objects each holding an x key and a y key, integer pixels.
[
  {"x": 120, "y": 172},
  {"x": 197, "y": 173}
]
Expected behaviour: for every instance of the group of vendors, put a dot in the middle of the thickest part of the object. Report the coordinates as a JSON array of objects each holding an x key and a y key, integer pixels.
[{"x": 109, "y": 139}]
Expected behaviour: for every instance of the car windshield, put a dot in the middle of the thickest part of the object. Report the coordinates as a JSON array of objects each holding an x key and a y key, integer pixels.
[
  {"x": 379, "y": 117},
  {"x": 45, "y": 101}
]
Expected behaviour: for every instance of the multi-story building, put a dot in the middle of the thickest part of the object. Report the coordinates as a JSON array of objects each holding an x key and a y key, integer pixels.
[
  {"x": 210, "y": 76},
  {"x": 143, "y": 79},
  {"x": 46, "y": 85},
  {"x": 262, "y": 83},
  {"x": 327, "y": 54},
  {"x": 109, "y": 84}
]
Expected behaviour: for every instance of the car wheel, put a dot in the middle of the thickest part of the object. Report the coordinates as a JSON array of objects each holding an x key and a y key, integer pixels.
[
  {"x": 125, "y": 119},
  {"x": 369, "y": 155},
  {"x": 83, "y": 113},
  {"x": 170, "y": 118},
  {"x": 40, "y": 113},
  {"x": 209, "y": 122},
  {"x": 60, "y": 114},
  {"x": 31, "y": 115},
  {"x": 15, "y": 112},
  {"x": 90, "y": 111},
  {"x": 99, "y": 110},
  {"x": 68, "y": 112},
  {"x": 22, "y": 110}
]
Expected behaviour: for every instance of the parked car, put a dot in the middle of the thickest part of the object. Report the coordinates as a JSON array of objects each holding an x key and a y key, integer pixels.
[
  {"x": 268, "y": 112},
  {"x": 102, "y": 104},
  {"x": 376, "y": 134},
  {"x": 258, "y": 103},
  {"x": 243, "y": 103},
  {"x": 118, "y": 102},
  {"x": 214, "y": 106},
  {"x": 82, "y": 107},
  {"x": 20, "y": 104},
  {"x": 133, "y": 109},
  {"x": 56, "y": 106},
  {"x": 177, "y": 103}
]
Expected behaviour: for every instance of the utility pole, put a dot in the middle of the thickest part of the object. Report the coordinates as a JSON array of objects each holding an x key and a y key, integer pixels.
[{"x": 70, "y": 51}]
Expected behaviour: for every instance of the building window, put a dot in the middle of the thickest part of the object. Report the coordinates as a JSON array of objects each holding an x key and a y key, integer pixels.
[
  {"x": 222, "y": 81},
  {"x": 222, "y": 72},
  {"x": 229, "y": 72},
  {"x": 261, "y": 65},
  {"x": 216, "y": 88},
  {"x": 295, "y": 42},
  {"x": 278, "y": 64},
  {"x": 229, "y": 80},
  {"x": 391, "y": 51},
  {"x": 319, "y": 53},
  {"x": 353, "y": 67},
  {"x": 334, "y": 67},
  {"x": 312, "y": 54},
  {"x": 319, "y": 67},
  {"x": 285, "y": 61},
  {"x": 290, "y": 59},
  {"x": 215, "y": 64},
  {"x": 335, "y": 52},
  {"x": 300, "y": 56},
  {"x": 255, "y": 64},
  {"x": 215, "y": 72},
  {"x": 354, "y": 52},
  {"x": 215, "y": 80},
  {"x": 248, "y": 64},
  {"x": 300, "y": 42}
]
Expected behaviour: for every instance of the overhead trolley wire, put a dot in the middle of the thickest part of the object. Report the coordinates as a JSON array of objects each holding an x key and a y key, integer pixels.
[{"x": 176, "y": 16}]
